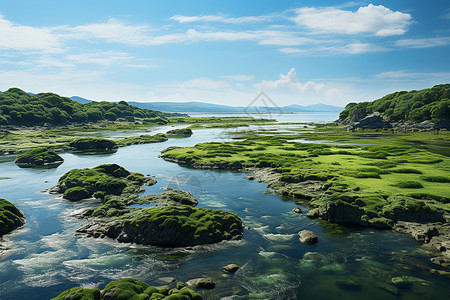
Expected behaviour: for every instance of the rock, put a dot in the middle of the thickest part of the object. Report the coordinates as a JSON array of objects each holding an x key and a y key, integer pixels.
[
  {"x": 312, "y": 255},
  {"x": 202, "y": 283},
  {"x": 372, "y": 121},
  {"x": 440, "y": 272},
  {"x": 93, "y": 144},
  {"x": 171, "y": 197},
  {"x": 340, "y": 212},
  {"x": 184, "y": 132},
  {"x": 407, "y": 281},
  {"x": 77, "y": 293},
  {"x": 308, "y": 237},
  {"x": 250, "y": 177},
  {"x": 231, "y": 268},
  {"x": 170, "y": 226},
  {"x": 348, "y": 284},
  {"x": 166, "y": 280},
  {"x": 108, "y": 179},
  {"x": 39, "y": 158},
  {"x": 421, "y": 232},
  {"x": 10, "y": 217},
  {"x": 297, "y": 210},
  {"x": 441, "y": 261}
]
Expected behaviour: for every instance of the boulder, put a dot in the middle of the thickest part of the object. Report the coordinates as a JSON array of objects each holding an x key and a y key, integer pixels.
[
  {"x": 202, "y": 283},
  {"x": 231, "y": 268},
  {"x": 297, "y": 210},
  {"x": 77, "y": 293},
  {"x": 171, "y": 197},
  {"x": 308, "y": 237},
  {"x": 39, "y": 158},
  {"x": 372, "y": 121}
]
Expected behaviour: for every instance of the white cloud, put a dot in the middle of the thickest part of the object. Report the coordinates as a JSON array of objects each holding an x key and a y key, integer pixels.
[
  {"x": 240, "y": 77},
  {"x": 218, "y": 18},
  {"x": 288, "y": 81},
  {"x": 289, "y": 50},
  {"x": 19, "y": 37},
  {"x": 424, "y": 43},
  {"x": 409, "y": 76},
  {"x": 359, "y": 48},
  {"x": 100, "y": 58},
  {"x": 378, "y": 20}
]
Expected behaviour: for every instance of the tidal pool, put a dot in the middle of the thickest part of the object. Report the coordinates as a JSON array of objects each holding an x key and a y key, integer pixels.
[{"x": 46, "y": 256}]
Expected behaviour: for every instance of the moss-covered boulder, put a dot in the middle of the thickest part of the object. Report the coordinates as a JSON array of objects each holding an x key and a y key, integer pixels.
[
  {"x": 92, "y": 144},
  {"x": 78, "y": 293},
  {"x": 10, "y": 217},
  {"x": 172, "y": 197},
  {"x": 183, "y": 132},
  {"x": 170, "y": 226},
  {"x": 108, "y": 179},
  {"x": 39, "y": 158},
  {"x": 130, "y": 289}
]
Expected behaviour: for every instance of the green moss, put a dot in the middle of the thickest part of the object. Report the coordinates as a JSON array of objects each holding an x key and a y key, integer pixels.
[
  {"x": 39, "y": 157},
  {"x": 409, "y": 185},
  {"x": 142, "y": 139},
  {"x": 92, "y": 144},
  {"x": 78, "y": 293},
  {"x": 180, "y": 132},
  {"x": 443, "y": 179},
  {"x": 406, "y": 171},
  {"x": 124, "y": 289},
  {"x": 10, "y": 217},
  {"x": 108, "y": 179}
]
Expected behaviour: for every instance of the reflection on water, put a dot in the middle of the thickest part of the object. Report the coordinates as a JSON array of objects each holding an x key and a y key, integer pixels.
[{"x": 47, "y": 256}]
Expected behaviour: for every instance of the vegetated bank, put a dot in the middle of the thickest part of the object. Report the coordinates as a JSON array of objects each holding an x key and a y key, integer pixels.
[
  {"x": 392, "y": 184},
  {"x": 414, "y": 110}
]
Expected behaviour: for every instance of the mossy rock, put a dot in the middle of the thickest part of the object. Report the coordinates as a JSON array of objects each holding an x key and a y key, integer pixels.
[
  {"x": 130, "y": 289},
  {"x": 93, "y": 144},
  {"x": 172, "y": 197},
  {"x": 411, "y": 184},
  {"x": 103, "y": 180},
  {"x": 170, "y": 226},
  {"x": 10, "y": 217},
  {"x": 78, "y": 293},
  {"x": 183, "y": 132},
  {"x": 127, "y": 288},
  {"x": 39, "y": 158}
]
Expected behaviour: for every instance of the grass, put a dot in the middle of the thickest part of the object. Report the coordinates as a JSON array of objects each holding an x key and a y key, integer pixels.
[{"x": 393, "y": 166}]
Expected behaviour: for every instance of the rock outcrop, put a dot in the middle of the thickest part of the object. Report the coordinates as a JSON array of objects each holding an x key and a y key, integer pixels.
[
  {"x": 183, "y": 132},
  {"x": 170, "y": 226},
  {"x": 10, "y": 217},
  {"x": 93, "y": 144},
  {"x": 372, "y": 121},
  {"x": 39, "y": 158},
  {"x": 129, "y": 288},
  {"x": 98, "y": 182},
  {"x": 172, "y": 197}
]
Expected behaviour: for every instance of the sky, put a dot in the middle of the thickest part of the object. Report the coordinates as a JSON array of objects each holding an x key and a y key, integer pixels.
[{"x": 224, "y": 52}]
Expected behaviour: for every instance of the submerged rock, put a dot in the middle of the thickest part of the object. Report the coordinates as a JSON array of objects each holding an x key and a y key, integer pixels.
[
  {"x": 308, "y": 237},
  {"x": 10, "y": 217},
  {"x": 297, "y": 210},
  {"x": 202, "y": 283},
  {"x": 171, "y": 226},
  {"x": 39, "y": 158},
  {"x": 231, "y": 268},
  {"x": 77, "y": 293},
  {"x": 348, "y": 284}
]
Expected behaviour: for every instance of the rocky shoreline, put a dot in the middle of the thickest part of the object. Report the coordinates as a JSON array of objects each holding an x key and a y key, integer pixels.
[{"x": 430, "y": 229}]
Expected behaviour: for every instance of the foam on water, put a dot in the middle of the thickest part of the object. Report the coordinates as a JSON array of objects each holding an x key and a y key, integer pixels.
[{"x": 277, "y": 237}]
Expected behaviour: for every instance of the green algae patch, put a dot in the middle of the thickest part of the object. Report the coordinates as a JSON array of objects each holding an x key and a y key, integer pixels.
[
  {"x": 93, "y": 144},
  {"x": 78, "y": 293},
  {"x": 108, "y": 179},
  {"x": 183, "y": 132},
  {"x": 10, "y": 217},
  {"x": 129, "y": 289},
  {"x": 142, "y": 139},
  {"x": 39, "y": 158},
  {"x": 170, "y": 226}
]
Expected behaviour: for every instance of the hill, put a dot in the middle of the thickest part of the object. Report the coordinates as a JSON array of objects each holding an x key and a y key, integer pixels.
[
  {"x": 414, "y": 106},
  {"x": 201, "y": 107},
  {"x": 20, "y": 108}
]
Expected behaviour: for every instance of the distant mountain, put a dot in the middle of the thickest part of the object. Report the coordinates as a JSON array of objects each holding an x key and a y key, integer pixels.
[
  {"x": 80, "y": 99},
  {"x": 201, "y": 107}
]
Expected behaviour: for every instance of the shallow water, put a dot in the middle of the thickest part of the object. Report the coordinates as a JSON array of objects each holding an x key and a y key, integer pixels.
[{"x": 47, "y": 256}]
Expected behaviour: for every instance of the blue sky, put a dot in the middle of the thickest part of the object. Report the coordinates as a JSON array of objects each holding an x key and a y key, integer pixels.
[{"x": 225, "y": 52}]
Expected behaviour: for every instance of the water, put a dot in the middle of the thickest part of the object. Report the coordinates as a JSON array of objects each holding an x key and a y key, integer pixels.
[
  {"x": 317, "y": 117},
  {"x": 46, "y": 256}
]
